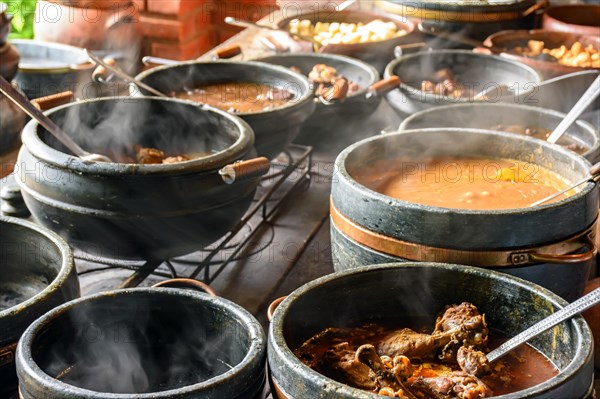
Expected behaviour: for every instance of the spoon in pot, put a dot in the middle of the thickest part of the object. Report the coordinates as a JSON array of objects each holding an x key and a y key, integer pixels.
[
  {"x": 48, "y": 124},
  {"x": 583, "y": 303},
  {"x": 594, "y": 177},
  {"x": 123, "y": 75},
  {"x": 586, "y": 99}
]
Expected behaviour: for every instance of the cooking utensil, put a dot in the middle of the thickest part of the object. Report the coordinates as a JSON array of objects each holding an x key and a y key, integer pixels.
[
  {"x": 48, "y": 124},
  {"x": 594, "y": 177},
  {"x": 586, "y": 99},
  {"x": 583, "y": 303},
  {"x": 122, "y": 74},
  {"x": 250, "y": 24}
]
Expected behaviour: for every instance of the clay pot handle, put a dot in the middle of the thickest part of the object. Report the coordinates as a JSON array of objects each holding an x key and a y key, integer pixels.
[
  {"x": 227, "y": 52},
  {"x": 273, "y": 306},
  {"x": 567, "y": 259},
  {"x": 101, "y": 74},
  {"x": 53, "y": 100},
  {"x": 244, "y": 170},
  {"x": 384, "y": 86},
  {"x": 187, "y": 283}
]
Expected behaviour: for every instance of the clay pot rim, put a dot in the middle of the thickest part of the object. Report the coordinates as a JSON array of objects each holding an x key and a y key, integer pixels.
[
  {"x": 323, "y": 57},
  {"x": 39, "y": 149},
  {"x": 340, "y": 169},
  {"x": 582, "y": 123},
  {"x": 553, "y": 13},
  {"x": 537, "y": 64},
  {"x": 306, "y": 97},
  {"x": 364, "y": 16},
  {"x": 431, "y": 98},
  {"x": 67, "y": 265},
  {"x": 279, "y": 345},
  {"x": 254, "y": 353}
]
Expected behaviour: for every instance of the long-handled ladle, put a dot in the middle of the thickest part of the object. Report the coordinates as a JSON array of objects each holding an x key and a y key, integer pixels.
[
  {"x": 586, "y": 99},
  {"x": 594, "y": 177},
  {"x": 48, "y": 124},
  {"x": 583, "y": 303},
  {"x": 123, "y": 75}
]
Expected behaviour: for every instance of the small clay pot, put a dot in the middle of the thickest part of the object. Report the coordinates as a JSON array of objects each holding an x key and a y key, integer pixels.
[
  {"x": 583, "y": 19},
  {"x": 9, "y": 61}
]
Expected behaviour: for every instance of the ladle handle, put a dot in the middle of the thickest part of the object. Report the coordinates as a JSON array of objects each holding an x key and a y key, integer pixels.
[
  {"x": 122, "y": 74},
  {"x": 247, "y": 24},
  {"x": 383, "y": 86},
  {"x": 244, "y": 170},
  {"x": 586, "y": 99},
  {"x": 583, "y": 303},
  {"x": 38, "y": 115},
  {"x": 149, "y": 60}
]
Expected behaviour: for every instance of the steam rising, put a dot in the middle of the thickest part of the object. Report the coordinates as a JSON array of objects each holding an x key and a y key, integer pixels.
[{"x": 140, "y": 344}]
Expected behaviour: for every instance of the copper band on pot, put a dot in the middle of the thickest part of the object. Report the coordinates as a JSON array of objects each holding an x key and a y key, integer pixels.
[
  {"x": 7, "y": 354},
  {"x": 561, "y": 252}
]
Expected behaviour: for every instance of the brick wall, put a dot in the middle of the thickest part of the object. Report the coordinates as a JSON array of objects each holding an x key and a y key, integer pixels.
[{"x": 186, "y": 29}]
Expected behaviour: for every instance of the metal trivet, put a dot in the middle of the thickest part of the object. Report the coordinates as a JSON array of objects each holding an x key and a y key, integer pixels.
[{"x": 289, "y": 172}]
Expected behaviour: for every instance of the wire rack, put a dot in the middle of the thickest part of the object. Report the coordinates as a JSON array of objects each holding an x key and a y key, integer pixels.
[{"x": 208, "y": 263}]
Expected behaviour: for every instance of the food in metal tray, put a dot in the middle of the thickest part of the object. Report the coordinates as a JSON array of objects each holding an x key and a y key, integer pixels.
[{"x": 326, "y": 33}]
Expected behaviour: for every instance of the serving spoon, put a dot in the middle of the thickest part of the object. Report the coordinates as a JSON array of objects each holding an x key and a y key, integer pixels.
[
  {"x": 594, "y": 177},
  {"x": 586, "y": 99},
  {"x": 48, "y": 124},
  {"x": 572, "y": 309}
]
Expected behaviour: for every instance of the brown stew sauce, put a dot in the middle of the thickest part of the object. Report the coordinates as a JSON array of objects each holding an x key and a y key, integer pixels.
[
  {"x": 523, "y": 368},
  {"x": 238, "y": 97}
]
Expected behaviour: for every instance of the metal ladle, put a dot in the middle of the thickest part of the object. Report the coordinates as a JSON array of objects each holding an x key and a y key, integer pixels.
[
  {"x": 122, "y": 74},
  {"x": 594, "y": 177},
  {"x": 48, "y": 124},
  {"x": 586, "y": 99},
  {"x": 583, "y": 303}
]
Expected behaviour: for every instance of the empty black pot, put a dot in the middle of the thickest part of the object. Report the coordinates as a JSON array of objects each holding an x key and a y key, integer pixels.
[
  {"x": 394, "y": 294},
  {"x": 273, "y": 129},
  {"x": 123, "y": 210},
  {"x": 143, "y": 343},
  {"x": 37, "y": 274}
]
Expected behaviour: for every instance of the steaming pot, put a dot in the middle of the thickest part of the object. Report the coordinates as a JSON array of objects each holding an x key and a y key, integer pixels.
[
  {"x": 273, "y": 129},
  {"x": 392, "y": 293},
  {"x": 486, "y": 116},
  {"x": 330, "y": 119},
  {"x": 38, "y": 274},
  {"x": 123, "y": 210},
  {"x": 550, "y": 245},
  {"x": 477, "y": 71},
  {"x": 143, "y": 343}
]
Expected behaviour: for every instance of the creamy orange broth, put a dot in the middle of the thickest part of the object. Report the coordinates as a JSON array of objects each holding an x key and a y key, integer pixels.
[{"x": 464, "y": 183}]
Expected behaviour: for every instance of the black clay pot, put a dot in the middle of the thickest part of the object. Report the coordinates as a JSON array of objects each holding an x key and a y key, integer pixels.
[
  {"x": 488, "y": 116},
  {"x": 369, "y": 227},
  {"x": 331, "y": 119},
  {"x": 38, "y": 274},
  {"x": 129, "y": 210},
  {"x": 479, "y": 72},
  {"x": 143, "y": 343},
  {"x": 273, "y": 129},
  {"x": 48, "y": 68},
  {"x": 395, "y": 293}
]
